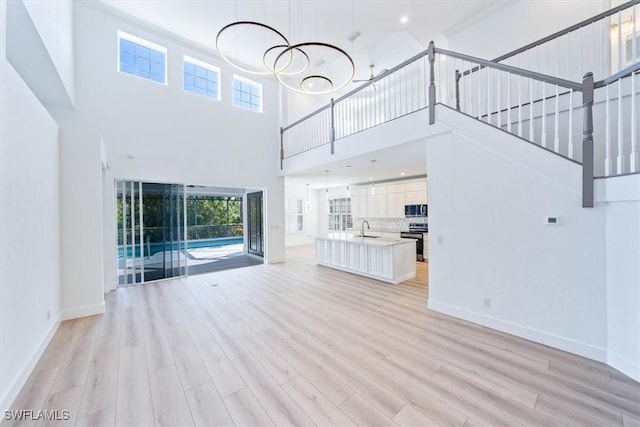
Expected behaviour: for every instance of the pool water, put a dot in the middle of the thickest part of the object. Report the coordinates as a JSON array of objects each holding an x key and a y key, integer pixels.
[{"x": 154, "y": 248}]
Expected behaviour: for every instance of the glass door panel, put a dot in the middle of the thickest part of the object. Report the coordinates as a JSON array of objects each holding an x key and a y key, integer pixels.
[
  {"x": 151, "y": 241},
  {"x": 255, "y": 220}
]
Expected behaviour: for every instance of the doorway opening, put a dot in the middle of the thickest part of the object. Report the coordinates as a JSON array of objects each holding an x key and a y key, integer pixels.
[{"x": 173, "y": 230}]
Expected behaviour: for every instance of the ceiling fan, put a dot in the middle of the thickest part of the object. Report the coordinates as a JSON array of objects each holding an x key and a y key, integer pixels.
[{"x": 372, "y": 76}]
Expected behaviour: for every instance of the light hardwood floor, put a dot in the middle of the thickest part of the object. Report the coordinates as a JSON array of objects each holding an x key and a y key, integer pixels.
[{"x": 298, "y": 344}]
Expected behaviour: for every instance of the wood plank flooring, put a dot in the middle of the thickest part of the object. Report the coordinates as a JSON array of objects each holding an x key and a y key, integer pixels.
[{"x": 298, "y": 344}]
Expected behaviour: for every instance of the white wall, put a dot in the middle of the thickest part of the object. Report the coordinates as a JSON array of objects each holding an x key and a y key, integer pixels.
[
  {"x": 159, "y": 133},
  {"x": 29, "y": 226},
  {"x": 39, "y": 46},
  {"x": 55, "y": 27},
  {"x": 311, "y": 220},
  {"x": 488, "y": 197},
  {"x": 81, "y": 224},
  {"x": 620, "y": 197},
  {"x": 513, "y": 24}
]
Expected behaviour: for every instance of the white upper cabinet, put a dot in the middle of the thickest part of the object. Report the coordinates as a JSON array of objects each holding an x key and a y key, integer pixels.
[{"x": 388, "y": 200}]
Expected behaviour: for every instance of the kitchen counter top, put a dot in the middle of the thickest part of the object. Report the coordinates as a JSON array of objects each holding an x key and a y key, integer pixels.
[{"x": 374, "y": 241}]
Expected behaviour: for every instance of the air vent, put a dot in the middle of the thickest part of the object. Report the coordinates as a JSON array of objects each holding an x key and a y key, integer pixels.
[{"x": 351, "y": 37}]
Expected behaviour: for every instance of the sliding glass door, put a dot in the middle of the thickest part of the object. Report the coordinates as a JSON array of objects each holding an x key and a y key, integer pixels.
[
  {"x": 255, "y": 223},
  {"x": 151, "y": 232}
]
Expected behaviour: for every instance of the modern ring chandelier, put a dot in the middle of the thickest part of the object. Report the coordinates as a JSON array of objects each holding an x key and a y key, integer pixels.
[{"x": 313, "y": 68}]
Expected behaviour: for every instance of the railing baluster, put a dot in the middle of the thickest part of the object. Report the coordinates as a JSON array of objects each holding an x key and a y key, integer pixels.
[
  {"x": 543, "y": 135},
  {"x": 608, "y": 160},
  {"x": 556, "y": 130},
  {"x": 593, "y": 46},
  {"x": 621, "y": 156},
  {"x": 478, "y": 72},
  {"x": 580, "y": 52},
  {"x": 619, "y": 41},
  {"x": 520, "y": 106},
  {"x": 489, "y": 95},
  {"x": 509, "y": 102},
  {"x": 395, "y": 95},
  {"x": 498, "y": 95},
  {"x": 413, "y": 87},
  {"x": 634, "y": 160},
  {"x": 570, "y": 145},
  {"x": 468, "y": 89},
  {"x": 531, "y": 136}
]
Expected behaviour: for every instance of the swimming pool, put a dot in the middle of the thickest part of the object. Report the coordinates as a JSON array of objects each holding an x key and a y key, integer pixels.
[{"x": 154, "y": 248}]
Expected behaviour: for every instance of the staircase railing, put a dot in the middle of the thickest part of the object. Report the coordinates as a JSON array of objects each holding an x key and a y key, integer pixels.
[
  {"x": 397, "y": 92},
  {"x": 602, "y": 44},
  {"x": 500, "y": 95},
  {"x": 620, "y": 121},
  {"x": 543, "y": 108}
]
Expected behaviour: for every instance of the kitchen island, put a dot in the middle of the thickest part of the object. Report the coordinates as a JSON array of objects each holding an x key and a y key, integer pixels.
[{"x": 387, "y": 259}]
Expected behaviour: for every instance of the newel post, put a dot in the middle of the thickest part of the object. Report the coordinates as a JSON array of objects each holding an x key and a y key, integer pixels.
[
  {"x": 458, "y": 77},
  {"x": 281, "y": 148},
  {"x": 587, "y": 141},
  {"x": 431, "y": 52},
  {"x": 332, "y": 130}
]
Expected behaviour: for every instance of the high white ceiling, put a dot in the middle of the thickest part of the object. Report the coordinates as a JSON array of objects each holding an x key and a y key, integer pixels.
[{"x": 385, "y": 41}]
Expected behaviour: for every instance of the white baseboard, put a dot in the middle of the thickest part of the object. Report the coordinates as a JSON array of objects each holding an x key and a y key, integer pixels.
[
  {"x": 14, "y": 389},
  {"x": 85, "y": 311},
  {"x": 555, "y": 341},
  {"x": 276, "y": 260},
  {"x": 624, "y": 365}
]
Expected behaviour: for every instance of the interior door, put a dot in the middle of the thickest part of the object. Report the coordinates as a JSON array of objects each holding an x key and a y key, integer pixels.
[{"x": 255, "y": 224}]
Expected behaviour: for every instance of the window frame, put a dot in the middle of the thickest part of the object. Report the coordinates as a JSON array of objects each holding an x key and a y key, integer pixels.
[
  {"x": 186, "y": 59},
  {"x": 252, "y": 83},
  {"x": 122, "y": 35}
]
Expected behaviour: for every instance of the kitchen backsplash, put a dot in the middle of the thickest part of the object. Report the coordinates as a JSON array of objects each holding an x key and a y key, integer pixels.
[{"x": 389, "y": 224}]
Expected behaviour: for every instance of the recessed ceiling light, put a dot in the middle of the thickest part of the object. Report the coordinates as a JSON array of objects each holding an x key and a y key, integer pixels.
[
  {"x": 370, "y": 178},
  {"x": 404, "y": 19},
  {"x": 402, "y": 174}
]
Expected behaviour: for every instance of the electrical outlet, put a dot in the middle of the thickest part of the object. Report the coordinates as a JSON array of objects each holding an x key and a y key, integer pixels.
[{"x": 486, "y": 302}]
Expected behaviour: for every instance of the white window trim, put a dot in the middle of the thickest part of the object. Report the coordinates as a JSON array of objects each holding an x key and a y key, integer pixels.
[
  {"x": 191, "y": 60},
  {"x": 145, "y": 43},
  {"x": 251, "y": 82}
]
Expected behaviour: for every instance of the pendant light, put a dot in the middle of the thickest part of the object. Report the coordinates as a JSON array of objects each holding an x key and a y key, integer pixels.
[{"x": 312, "y": 68}]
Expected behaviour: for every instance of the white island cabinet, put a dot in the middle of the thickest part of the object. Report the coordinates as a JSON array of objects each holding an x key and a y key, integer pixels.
[{"x": 387, "y": 259}]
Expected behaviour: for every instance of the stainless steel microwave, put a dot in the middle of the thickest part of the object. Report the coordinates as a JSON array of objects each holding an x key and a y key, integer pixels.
[{"x": 412, "y": 211}]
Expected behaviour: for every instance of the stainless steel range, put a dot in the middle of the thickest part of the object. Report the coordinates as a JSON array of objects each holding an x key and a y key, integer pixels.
[{"x": 415, "y": 232}]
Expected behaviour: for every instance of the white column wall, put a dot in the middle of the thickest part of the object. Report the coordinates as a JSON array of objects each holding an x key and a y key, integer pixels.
[
  {"x": 29, "y": 228},
  {"x": 81, "y": 224},
  {"x": 55, "y": 27},
  {"x": 620, "y": 196}
]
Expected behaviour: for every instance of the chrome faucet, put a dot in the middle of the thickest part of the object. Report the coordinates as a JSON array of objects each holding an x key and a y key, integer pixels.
[{"x": 362, "y": 231}]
